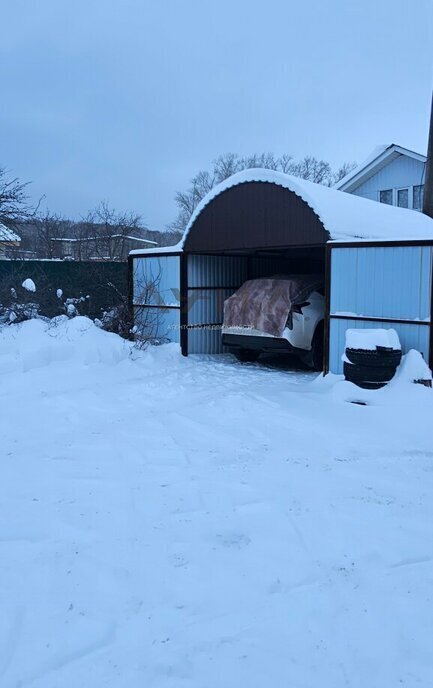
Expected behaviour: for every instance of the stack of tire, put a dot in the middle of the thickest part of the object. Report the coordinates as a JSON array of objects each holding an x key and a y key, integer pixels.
[{"x": 371, "y": 368}]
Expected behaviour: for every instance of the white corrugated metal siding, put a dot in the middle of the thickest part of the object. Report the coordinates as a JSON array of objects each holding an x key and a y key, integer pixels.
[
  {"x": 382, "y": 282},
  {"x": 211, "y": 280},
  {"x": 160, "y": 271},
  {"x": 392, "y": 282},
  {"x": 411, "y": 337},
  {"x": 156, "y": 296}
]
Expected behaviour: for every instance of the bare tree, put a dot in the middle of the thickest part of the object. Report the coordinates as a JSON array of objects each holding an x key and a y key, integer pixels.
[
  {"x": 14, "y": 202},
  {"x": 345, "y": 168},
  {"x": 50, "y": 228},
  {"x": 188, "y": 200},
  {"x": 311, "y": 168},
  {"x": 168, "y": 237},
  {"x": 226, "y": 165},
  {"x": 265, "y": 161},
  {"x": 318, "y": 171},
  {"x": 104, "y": 234},
  {"x": 286, "y": 163}
]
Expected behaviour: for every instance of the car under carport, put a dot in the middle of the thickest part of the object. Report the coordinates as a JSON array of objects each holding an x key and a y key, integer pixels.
[{"x": 375, "y": 260}]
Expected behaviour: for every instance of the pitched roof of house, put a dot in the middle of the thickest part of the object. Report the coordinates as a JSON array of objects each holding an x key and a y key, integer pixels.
[
  {"x": 7, "y": 234},
  {"x": 378, "y": 158}
]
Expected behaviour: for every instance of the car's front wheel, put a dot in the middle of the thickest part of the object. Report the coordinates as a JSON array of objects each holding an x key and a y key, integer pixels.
[{"x": 247, "y": 355}]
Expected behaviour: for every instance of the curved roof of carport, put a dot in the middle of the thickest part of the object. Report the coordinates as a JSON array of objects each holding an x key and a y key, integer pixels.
[
  {"x": 329, "y": 215},
  {"x": 262, "y": 208}
]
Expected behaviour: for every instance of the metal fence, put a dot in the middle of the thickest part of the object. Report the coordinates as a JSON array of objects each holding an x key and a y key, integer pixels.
[{"x": 101, "y": 285}]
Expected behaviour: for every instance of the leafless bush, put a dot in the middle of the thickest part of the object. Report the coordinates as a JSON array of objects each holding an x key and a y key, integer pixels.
[
  {"x": 118, "y": 318},
  {"x": 15, "y": 312},
  {"x": 148, "y": 310},
  {"x": 16, "y": 303}
]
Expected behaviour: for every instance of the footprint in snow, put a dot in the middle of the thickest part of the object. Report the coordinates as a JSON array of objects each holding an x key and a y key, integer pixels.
[
  {"x": 233, "y": 540},
  {"x": 178, "y": 561}
]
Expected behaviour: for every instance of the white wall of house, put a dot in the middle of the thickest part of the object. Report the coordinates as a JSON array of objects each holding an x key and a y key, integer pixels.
[{"x": 398, "y": 182}]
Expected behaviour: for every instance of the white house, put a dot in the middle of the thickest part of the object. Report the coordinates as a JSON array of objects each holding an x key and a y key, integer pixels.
[{"x": 391, "y": 174}]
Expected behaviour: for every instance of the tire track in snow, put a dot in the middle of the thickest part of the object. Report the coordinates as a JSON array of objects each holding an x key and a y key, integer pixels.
[{"x": 63, "y": 660}]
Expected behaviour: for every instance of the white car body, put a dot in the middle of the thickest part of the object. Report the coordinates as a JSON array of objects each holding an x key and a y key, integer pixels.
[
  {"x": 305, "y": 323},
  {"x": 300, "y": 335}
]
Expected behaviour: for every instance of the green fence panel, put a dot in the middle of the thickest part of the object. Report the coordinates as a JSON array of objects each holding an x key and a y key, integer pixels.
[{"x": 101, "y": 285}]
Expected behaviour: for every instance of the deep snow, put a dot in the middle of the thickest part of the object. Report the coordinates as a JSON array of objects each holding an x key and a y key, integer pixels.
[
  {"x": 171, "y": 522},
  {"x": 369, "y": 339}
]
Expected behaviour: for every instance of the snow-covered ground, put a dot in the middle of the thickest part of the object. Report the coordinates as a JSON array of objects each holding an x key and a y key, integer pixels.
[{"x": 196, "y": 523}]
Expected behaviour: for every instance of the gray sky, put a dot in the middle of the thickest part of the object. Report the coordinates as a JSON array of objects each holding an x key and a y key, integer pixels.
[{"x": 125, "y": 100}]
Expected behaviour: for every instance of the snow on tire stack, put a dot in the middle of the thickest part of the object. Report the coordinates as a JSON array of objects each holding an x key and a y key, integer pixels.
[{"x": 371, "y": 357}]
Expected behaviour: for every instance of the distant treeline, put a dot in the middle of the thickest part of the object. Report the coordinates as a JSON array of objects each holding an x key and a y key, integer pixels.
[{"x": 106, "y": 234}]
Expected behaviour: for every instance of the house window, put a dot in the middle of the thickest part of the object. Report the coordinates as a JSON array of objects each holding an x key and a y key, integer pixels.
[
  {"x": 403, "y": 198},
  {"x": 418, "y": 197},
  {"x": 386, "y": 196}
]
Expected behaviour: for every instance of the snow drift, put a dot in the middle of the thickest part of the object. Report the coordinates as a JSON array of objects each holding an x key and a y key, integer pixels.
[
  {"x": 169, "y": 522},
  {"x": 36, "y": 343}
]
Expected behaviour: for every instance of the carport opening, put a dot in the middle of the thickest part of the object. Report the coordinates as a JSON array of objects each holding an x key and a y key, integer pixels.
[
  {"x": 229, "y": 271},
  {"x": 250, "y": 230},
  {"x": 290, "y": 261}
]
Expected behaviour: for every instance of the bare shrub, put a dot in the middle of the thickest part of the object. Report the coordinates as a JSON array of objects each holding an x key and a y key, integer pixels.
[{"x": 148, "y": 311}]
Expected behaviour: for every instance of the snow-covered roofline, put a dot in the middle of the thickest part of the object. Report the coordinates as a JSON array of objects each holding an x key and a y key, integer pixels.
[
  {"x": 344, "y": 216},
  {"x": 176, "y": 248},
  {"x": 72, "y": 240},
  {"x": 377, "y": 159},
  {"x": 7, "y": 234}
]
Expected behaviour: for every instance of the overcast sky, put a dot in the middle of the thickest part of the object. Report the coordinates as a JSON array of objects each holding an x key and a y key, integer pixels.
[{"x": 125, "y": 100}]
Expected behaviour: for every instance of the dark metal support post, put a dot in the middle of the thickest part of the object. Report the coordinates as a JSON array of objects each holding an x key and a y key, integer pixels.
[
  {"x": 427, "y": 207},
  {"x": 184, "y": 303},
  {"x": 130, "y": 295},
  {"x": 327, "y": 323}
]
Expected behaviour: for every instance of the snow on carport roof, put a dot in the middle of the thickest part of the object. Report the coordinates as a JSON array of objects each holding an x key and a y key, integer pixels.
[{"x": 344, "y": 216}]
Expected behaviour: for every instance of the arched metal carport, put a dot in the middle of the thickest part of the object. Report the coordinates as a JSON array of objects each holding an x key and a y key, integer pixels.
[
  {"x": 376, "y": 261},
  {"x": 254, "y": 216}
]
